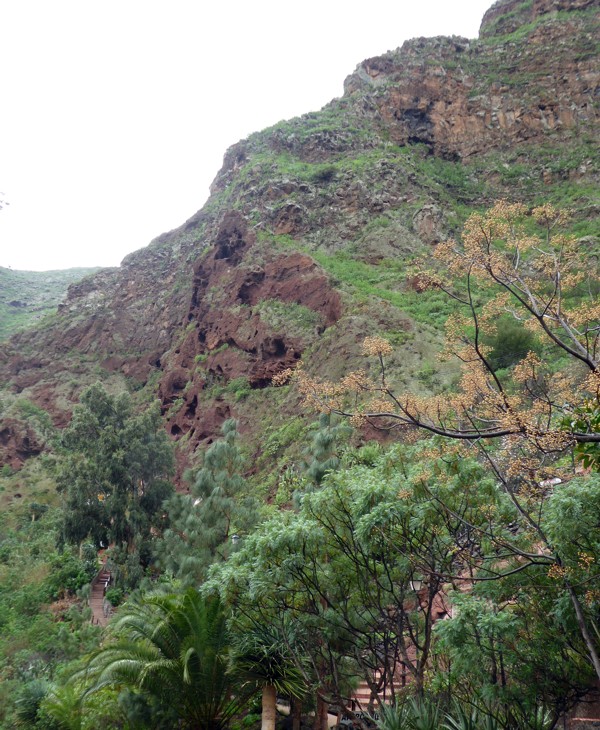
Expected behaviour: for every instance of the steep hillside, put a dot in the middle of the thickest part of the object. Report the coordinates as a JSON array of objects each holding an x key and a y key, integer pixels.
[
  {"x": 27, "y": 296},
  {"x": 316, "y": 228}
]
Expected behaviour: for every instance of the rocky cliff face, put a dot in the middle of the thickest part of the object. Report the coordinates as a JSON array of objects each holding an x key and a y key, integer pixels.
[
  {"x": 229, "y": 331},
  {"x": 519, "y": 82},
  {"x": 315, "y": 229},
  {"x": 508, "y": 16}
]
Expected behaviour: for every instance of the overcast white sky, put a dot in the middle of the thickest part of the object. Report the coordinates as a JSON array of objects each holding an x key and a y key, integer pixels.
[{"x": 115, "y": 115}]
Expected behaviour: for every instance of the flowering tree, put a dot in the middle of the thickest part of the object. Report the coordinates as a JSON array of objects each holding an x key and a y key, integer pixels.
[
  {"x": 546, "y": 282},
  {"x": 524, "y": 418}
]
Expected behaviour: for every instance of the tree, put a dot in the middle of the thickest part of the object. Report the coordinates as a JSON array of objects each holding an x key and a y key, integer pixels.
[
  {"x": 262, "y": 656},
  {"x": 29, "y": 701},
  {"x": 173, "y": 648},
  {"x": 263, "y": 583},
  {"x": 524, "y": 419},
  {"x": 68, "y": 706},
  {"x": 203, "y": 523},
  {"x": 547, "y": 283},
  {"x": 344, "y": 570},
  {"x": 324, "y": 451},
  {"x": 112, "y": 471},
  {"x": 509, "y": 649}
]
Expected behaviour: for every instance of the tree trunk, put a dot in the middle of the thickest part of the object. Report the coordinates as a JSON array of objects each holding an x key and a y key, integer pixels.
[
  {"x": 269, "y": 707},
  {"x": 587, "y": 637},
  {"x": 296, "y": 710},
  {"x": 320, "y": 714}
]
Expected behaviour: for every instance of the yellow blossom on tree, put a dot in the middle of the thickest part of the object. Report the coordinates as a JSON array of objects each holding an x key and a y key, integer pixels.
[{"x": 376, "y": 346}]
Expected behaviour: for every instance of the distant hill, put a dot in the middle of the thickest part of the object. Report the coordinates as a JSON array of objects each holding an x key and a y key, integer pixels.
[{"x": 27, "y": 296}]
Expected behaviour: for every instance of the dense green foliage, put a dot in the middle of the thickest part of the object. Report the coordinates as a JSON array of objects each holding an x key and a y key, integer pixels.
[
  {"x": 510, "y": 343},
  {"x": 206, "y": 524},
  {"x": 173, "y": 648},
  {"x": 112, "y": 471},
  {"x": 343, "y": 571},
  {"x": 42, "y": 624}
]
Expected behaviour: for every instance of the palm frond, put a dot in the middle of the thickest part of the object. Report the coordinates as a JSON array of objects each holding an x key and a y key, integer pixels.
[{"x": 173, "y": 647}]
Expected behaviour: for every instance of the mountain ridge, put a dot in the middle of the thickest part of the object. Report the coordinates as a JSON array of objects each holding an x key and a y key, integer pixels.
[{"x": 316, "y": 227}]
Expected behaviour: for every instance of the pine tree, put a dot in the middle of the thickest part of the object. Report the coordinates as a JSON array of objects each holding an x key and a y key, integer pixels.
[
  {"x": 326, "y": 446},
  {"x": 205, "y": 525}
]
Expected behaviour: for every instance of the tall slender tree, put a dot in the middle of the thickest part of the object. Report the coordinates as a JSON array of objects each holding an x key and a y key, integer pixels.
[
  {"x": 205, "y": 524},
  {"x": 324, "y": 453}
]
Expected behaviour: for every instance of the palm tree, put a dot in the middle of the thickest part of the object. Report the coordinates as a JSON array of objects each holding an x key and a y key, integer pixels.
[
  {"x": 28, "y": 703},
  {"x": 63, "y": 705},
  {"x": 175, "y": 648},
  {"x": 262, "y": 657}
]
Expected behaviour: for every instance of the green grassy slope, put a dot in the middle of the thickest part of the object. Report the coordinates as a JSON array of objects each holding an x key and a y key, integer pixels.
[{"x": 26, "y": 296}]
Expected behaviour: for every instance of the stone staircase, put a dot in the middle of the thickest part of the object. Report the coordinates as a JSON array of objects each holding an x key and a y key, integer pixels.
[
  {"x": 101, "y": 609},
  {"x": 362, "y": 694}
]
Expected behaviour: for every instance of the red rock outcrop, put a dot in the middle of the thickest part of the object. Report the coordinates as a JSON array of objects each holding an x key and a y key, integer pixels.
[
  {"x": 18, "y": 442},
  {"x": 506, "y": 16},
  {"x": 462, "y": 98},
  {"x": 229, "y": 337}
]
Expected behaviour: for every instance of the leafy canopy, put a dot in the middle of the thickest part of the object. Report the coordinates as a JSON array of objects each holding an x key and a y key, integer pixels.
[{"x": 113, "y": 470}]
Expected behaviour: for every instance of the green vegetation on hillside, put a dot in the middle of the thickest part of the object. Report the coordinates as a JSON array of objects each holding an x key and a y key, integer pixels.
[
  {"x": 27, "y": 296},
  {"x": 112, "y": 472},
  {"x": 456, "y": 576}
]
